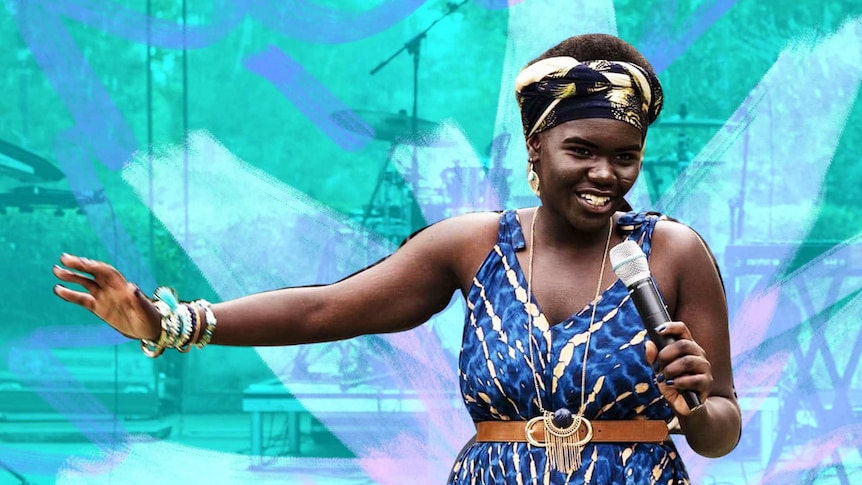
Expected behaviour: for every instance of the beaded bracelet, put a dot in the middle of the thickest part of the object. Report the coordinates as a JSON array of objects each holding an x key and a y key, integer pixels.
[
  {"x": 183, "y": 324},
  {"x": 210, "y": 321},
  {"x": 154, "y": 349}
]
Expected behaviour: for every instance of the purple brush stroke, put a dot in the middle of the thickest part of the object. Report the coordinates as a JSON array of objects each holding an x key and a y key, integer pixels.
[
  {"x": 316, "y": 102},
  {"x": 302, "y": 20},
  {"x": 496, "y": 4},
  {"x": 662, "y": 45},
  {"x": 95, "y": 114},
  {"x": 130, "y": 24},
  {"x": 32, "y": 462},
  {"x": 307, "y": 21},
  {"x": 813, "y": 454},
  {"x": 56, "y": 387}
]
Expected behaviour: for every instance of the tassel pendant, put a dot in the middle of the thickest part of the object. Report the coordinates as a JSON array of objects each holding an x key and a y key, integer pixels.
[{"x": 562, "y": 440}]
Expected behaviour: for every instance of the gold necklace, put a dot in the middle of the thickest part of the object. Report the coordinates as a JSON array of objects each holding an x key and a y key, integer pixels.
[{"x": 562, "y": 441}]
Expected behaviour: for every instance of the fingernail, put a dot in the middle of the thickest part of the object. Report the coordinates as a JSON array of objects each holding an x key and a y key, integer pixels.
[
  {"x": 661, "y": 328},
  {"x": 660, "y": 377},
  {"x": 669, "y": 382}
]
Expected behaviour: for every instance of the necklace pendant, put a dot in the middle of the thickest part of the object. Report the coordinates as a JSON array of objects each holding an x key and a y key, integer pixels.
[{"x": 563, "y": 442}]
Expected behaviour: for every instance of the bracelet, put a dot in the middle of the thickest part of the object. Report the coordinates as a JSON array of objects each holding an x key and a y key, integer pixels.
[
  {"x": 154, "y": 349},
  {"x": 183, "y": 324},
  {"x": 210, "y": 321},
  {"x": 194, "y": 331}
]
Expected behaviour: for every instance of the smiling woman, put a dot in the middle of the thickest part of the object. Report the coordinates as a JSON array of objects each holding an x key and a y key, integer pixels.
[
  {"x": 555, "y": 368},
  {"x": 588, "y": 165}
]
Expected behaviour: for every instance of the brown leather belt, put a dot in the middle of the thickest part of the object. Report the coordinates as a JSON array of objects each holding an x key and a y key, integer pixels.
[{"x": 603, "y": 431}]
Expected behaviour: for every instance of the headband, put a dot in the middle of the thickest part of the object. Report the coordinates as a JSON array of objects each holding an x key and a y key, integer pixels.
[{"x": 559, "y": 89}]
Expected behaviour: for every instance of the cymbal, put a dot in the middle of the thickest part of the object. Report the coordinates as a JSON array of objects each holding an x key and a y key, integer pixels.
[
  {"x": 25, "y": 165},
  {"x": 381, "y": 125},
  {"x": 677, "y": 122}
]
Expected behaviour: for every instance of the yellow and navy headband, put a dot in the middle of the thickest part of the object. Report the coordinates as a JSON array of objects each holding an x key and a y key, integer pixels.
[{"x": 559, "y": 89}]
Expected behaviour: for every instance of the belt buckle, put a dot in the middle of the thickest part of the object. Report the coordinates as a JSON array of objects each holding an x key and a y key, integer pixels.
[{"x": 528, "y": 431}]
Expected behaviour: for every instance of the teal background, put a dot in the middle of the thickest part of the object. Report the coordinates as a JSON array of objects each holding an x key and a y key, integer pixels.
[{"x": 54, "y": 357}]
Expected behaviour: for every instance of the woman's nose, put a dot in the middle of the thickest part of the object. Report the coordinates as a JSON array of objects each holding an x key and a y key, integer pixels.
[{"x": 602, "y": 171}]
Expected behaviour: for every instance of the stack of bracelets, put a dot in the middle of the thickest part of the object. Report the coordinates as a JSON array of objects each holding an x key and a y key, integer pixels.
[{"x": 183, "y": 324}]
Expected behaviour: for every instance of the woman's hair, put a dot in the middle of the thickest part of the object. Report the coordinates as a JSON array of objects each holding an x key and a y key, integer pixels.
[{"x": 594, "y": 47}]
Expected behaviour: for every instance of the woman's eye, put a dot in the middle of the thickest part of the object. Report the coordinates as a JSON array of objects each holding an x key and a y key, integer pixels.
[{"x": 581, "y": 152}]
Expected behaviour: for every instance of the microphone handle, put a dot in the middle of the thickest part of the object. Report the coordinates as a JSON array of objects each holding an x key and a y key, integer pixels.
[{"x": 653, "y": 312}]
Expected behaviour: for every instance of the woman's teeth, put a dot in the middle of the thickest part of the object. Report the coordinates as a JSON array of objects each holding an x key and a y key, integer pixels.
[{"x": 595, "y": 200}]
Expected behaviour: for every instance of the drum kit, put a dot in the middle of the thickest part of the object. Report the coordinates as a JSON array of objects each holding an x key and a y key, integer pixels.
[
  {"x": 407, "y": 194},
  {"x": 23, "y": 175}
]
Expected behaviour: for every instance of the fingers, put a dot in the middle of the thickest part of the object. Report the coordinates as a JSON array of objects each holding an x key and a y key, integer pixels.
[
  {"x": 678, "y": 330},
  {"x": 681, "y": 365},
  {"x": 86, "y": 300},
  {"x": 103, "y": 273},
  {"x": 72, "y": 277},
  {"x": 684, "y": 344},
  {"x": 651, "y": 352}
]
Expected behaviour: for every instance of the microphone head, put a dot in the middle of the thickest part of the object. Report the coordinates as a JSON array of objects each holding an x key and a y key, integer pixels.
[{"x": 629, "y": 262}]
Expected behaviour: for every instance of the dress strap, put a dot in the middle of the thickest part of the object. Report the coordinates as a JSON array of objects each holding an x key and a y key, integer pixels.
[
  {"x": 640, "y": 226},
  {"x": 510, "y": 230}
]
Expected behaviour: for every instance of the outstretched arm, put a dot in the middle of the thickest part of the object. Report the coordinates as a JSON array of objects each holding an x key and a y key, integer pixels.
[{"x": 399, "y": 293}]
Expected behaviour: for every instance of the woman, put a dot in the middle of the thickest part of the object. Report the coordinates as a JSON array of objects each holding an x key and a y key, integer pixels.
[{"x": 557, "y": 374}]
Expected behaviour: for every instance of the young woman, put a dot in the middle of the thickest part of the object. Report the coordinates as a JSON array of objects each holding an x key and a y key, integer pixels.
[{"x": 556, "y": 368}]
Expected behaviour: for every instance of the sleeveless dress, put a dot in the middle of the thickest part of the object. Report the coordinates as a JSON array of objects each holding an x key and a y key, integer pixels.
[{"x": 497, "y": 381}]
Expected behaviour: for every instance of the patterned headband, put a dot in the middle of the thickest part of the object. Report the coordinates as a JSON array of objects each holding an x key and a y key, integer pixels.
[{"x": 560, "y": 89}]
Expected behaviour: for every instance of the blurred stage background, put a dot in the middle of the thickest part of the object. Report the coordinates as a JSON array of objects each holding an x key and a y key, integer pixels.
[{"x": 230, "y": 146}]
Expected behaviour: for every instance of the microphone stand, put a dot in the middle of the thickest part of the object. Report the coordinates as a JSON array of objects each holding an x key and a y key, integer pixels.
[{"x": 413, "y": 48}]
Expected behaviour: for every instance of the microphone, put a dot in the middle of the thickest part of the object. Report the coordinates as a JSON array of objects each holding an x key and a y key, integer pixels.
[{"x": 630, "y": 265}]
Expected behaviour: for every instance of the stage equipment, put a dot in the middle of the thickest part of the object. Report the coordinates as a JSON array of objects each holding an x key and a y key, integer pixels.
[
  {"x": 389, "y": 194},
  {"x": 391, "y": 127},
  {"x": 360, "y": 404},
  {"x": 818, "y": 393},
  {"x": 29, "y": 198},
  {"x": 44, "y": 393},
  {"x": 660, "y": 171},
  {"x": 25, "y": 166}
]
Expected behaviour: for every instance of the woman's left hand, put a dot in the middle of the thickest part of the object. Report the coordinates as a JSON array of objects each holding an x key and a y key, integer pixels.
[{"x": 682, "y": 366}]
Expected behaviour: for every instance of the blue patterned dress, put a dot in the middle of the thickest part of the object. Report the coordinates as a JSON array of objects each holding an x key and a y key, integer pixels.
[{"x": 497, "y": 382}]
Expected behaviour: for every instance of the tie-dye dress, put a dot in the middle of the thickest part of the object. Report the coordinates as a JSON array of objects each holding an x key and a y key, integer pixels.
[{"x": 497, "y": 382}]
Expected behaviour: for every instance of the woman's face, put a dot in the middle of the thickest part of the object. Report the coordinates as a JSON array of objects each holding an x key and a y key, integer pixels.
[{"x": 585, "y": 168}]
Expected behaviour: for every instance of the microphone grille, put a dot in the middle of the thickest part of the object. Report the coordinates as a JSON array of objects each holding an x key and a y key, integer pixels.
[{"x": 629, "y": 262}]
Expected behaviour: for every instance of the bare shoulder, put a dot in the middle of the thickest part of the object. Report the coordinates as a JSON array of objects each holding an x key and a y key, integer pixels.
[
  {"x": 672, "y": 238},
  {"x": 462, "y": 241},
  {"x": 684, "y": 263}
]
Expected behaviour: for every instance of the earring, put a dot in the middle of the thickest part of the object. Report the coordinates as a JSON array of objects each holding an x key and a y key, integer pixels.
[{"x": 532, "y": 178}]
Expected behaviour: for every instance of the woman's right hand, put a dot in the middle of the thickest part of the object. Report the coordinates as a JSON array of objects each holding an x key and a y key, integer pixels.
[{"x": 109, "y": 296}]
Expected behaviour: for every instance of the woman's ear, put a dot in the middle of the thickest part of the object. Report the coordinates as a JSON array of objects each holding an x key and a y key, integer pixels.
[{"x": 534, "y": 147}]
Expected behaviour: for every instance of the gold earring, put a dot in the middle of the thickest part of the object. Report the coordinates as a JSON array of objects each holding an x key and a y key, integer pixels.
[{"x": 532, "y": 178}]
